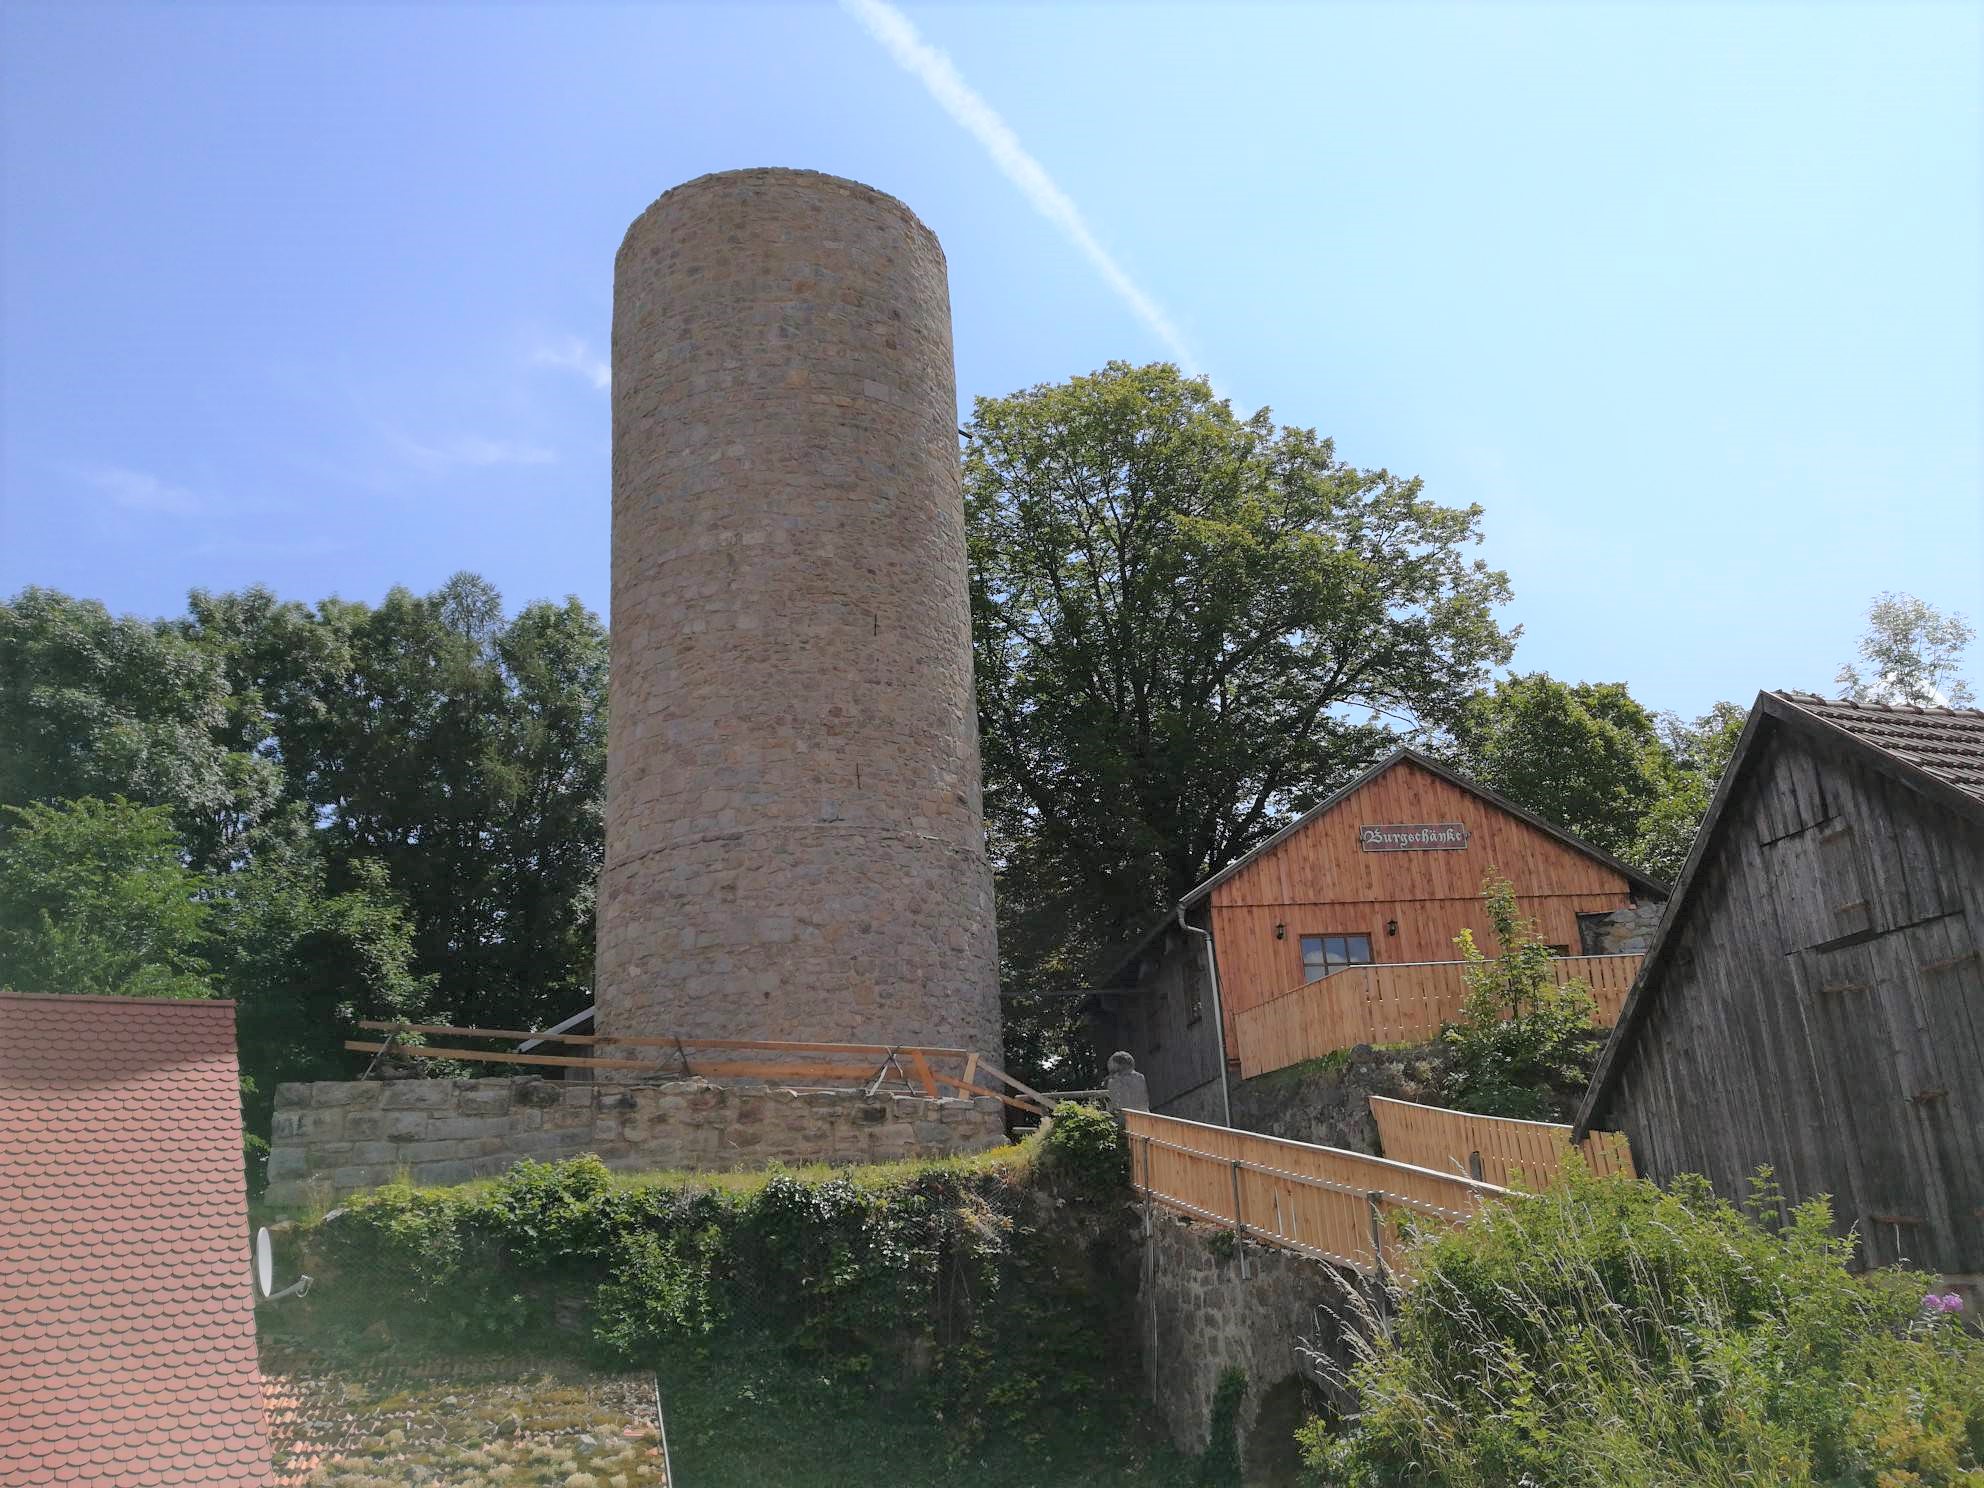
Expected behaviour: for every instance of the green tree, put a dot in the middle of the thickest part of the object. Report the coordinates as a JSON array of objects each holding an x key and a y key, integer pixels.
[
  {"x": 462, "y": 753},
  {"x": 95, "y": 898},
  {"x": 1523, "y": 1044},
  {"x": 96, "y": 706},
  {"x": 1583, "y": 755},
  {"x": 1913, "y": 653},
  {"x": 304, "y": 965},
  {"x": 1187, "y": 626},
  {"x": 1698, "y": 753}
]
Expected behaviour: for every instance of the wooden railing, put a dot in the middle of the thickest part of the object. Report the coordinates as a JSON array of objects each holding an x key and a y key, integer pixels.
[
  {"x": 931, "y": 1071},
  {"x": 1400, "y": 1003},
  {"x": 1492, "y": 1148},
  {"x": 1322, "y": 1202}
]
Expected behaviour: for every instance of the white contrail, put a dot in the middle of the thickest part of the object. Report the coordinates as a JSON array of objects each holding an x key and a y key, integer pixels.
[{"x": 933, "y": 69}]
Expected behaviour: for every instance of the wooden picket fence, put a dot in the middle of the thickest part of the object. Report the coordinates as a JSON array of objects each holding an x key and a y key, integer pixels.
[
  {"x": 929, "y": 1071},
  {"x": 1491, "y": 1148},
  {"x": 1322, "y": 1202},
  {"x": 1396, "y": 1003}
]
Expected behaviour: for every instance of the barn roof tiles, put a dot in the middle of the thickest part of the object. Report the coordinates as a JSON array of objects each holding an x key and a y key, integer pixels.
[
  {"x": 1947, "y": 743},
  {"x": 128, "y": 1351}
]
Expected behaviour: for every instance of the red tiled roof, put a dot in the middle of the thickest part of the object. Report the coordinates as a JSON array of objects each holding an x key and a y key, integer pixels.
[{"x": 127, "y": 1328}]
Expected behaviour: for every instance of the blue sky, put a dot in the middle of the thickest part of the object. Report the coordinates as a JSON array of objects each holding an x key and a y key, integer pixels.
[{"x": 1686, "y": 297}]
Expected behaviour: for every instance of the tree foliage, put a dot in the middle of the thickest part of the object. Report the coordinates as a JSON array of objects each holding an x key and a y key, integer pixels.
[
  {"x": 1912, "y": 653},
  {"x": 1523, "y": 1044},
  {"x": 1187, "y": 625},
  {"x": 336, "y": 811},
  {"x": 94, "y": 899},
  {"x": 1591, "y": 759}
]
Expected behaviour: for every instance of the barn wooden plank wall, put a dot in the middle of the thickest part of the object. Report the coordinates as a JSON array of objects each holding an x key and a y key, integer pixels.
[
  {"x": 1323, "y": 1202},
  {"x": 1445, "y": 1140},
  {"x": 1319, "y": 881},
  {"x": 1822, "y": 1009},
  {"x": 1393, "y": 1005}
]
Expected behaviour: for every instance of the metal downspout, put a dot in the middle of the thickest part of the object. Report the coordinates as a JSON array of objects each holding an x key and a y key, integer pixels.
[{"x": 1218, "y": 1016}]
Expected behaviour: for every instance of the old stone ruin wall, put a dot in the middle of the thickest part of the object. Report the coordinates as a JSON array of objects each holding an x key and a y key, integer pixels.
[
  {"x": 333, "y": 1137},
  {"x": 1619, "y": 932}
]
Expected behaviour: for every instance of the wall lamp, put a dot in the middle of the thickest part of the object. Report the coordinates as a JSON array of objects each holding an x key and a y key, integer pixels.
[
  {"x": 1391, "y": 927},
  {"x": 1280, "y": 930}
]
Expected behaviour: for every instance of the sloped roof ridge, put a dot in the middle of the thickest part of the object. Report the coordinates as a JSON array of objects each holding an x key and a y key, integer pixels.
[{"x": 1921, "y": 710}]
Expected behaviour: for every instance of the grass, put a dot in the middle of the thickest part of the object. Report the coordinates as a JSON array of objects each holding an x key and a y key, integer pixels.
[
  {"x": 740, "y": 1418},
  {"x": 1012, "y": 1159}
]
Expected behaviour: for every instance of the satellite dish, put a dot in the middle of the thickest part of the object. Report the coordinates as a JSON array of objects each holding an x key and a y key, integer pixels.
[{"x": 265, "y": 1270}]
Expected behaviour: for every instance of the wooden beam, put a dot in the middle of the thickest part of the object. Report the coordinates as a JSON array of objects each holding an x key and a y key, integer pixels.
[
  {"x": 824, "y": 1074},
  {"x": 920, "y": 1068},
  {"x": 881, "y": 1050},
  {"x": 956, "y": 1084},
  {"x": 1027, "y": 1090}
]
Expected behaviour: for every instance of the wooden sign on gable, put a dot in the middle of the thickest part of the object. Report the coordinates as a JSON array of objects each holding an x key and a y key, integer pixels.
[{"x": 1412, "y": 837}]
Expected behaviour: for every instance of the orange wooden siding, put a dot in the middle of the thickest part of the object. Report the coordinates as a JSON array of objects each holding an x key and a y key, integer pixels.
[
  {"x": 1392, "y": 1005},
  {"x": 1320, "y": 1201},
  {"x": 1318, "y": 881},
  {"x": 1444, "y": 1140}
]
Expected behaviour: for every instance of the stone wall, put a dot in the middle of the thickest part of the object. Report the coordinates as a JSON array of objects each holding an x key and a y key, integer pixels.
[
  {"x": 1620, "y": 932},
  {"x": 1209, "y": 1303},
  {"x": 334, "y": 1136}
]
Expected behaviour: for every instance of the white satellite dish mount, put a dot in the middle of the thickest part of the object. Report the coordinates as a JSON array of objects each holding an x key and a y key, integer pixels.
[{"x": 265, "y": 1271}]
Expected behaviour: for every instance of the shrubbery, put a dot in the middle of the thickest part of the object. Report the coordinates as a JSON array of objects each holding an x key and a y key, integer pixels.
[
  {"x": 1523, "y": 1044},
  {"x": 1605, "y": 1333},
  {"x": 961, "y": 1284}
]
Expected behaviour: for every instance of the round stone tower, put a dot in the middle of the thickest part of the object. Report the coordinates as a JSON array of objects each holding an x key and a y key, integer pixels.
[{"x": 794, "y": 847}]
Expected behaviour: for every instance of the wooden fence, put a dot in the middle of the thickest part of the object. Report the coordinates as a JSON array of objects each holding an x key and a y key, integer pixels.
[
  {"x": 1325, "y": 1203},
  {"x": 1401, "y": 1003},
  {"x": 1493, "y": 1148},
  {"x": 929, "y": 1071}
]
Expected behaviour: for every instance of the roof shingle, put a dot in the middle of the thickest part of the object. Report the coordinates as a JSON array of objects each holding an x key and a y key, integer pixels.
[
  {"x": 1947, "y": 743},
  {"x": 128, "y": 1352}
]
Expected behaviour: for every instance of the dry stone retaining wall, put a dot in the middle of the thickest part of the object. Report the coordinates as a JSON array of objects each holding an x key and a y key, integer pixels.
[{"x": 334, "y": 1136}]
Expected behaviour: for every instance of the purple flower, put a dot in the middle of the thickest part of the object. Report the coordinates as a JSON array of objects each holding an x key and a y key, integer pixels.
[
  {"x": 1947, "y": 1302},
  {"x": 1952, "y": 1302}
]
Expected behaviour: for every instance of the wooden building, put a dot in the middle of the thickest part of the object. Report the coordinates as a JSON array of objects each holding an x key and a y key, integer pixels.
[
  {"x": 1814, "y": 999},
  {"x": 1342, "y": 925}
]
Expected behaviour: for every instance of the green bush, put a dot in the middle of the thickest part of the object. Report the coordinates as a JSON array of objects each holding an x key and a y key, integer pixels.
[
  {"x": 1606, "y": 1333},
  {"x": 1085, "y": 1148},
  {"x": 1220, "y": 1466},
  {"x": 1522, "y": 1044},
  {"x": 658, "y": 1290}
]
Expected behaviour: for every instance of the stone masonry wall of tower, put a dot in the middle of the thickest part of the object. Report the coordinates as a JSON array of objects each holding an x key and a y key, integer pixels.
[{"x": 794, "y": 845}]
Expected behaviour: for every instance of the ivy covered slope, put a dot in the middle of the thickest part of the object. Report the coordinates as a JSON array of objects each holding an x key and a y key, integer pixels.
[{"x": 928, "y": 1318}]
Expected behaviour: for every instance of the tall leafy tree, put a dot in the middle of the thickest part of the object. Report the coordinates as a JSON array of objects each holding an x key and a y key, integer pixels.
[
  {"x": 95, "y": 898},
  {"x": 92, "y": 705},
  {"x": 1188, "y": 625},
  {"x": 1911, "y": 653},
  {"x": 1583, "y": 755}
]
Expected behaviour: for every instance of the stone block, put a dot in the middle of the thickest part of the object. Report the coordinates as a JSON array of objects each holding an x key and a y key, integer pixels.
[
  {"x": 417, "y": 1095},
  {"x": 286, "y": 1162},
  {"x": 365, "y": 1126},
  {"x": 292, "y": 1093},
  {"x": 320, "y": 1126},
  {"x": 470, "y": 1126},
  {"x": 286, "y": 1124},
  {"x": 377, "y": 1154},
  {"x": 408, "y": 1126},
  {"x": 345, "y": 1093},
  {"x": 484, "y": 1100}
]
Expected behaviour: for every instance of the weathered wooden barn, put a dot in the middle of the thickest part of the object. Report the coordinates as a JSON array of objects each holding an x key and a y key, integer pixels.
[
  {"x": 1340, "y": 929},
  {"x": 1814, "y": 998}
]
